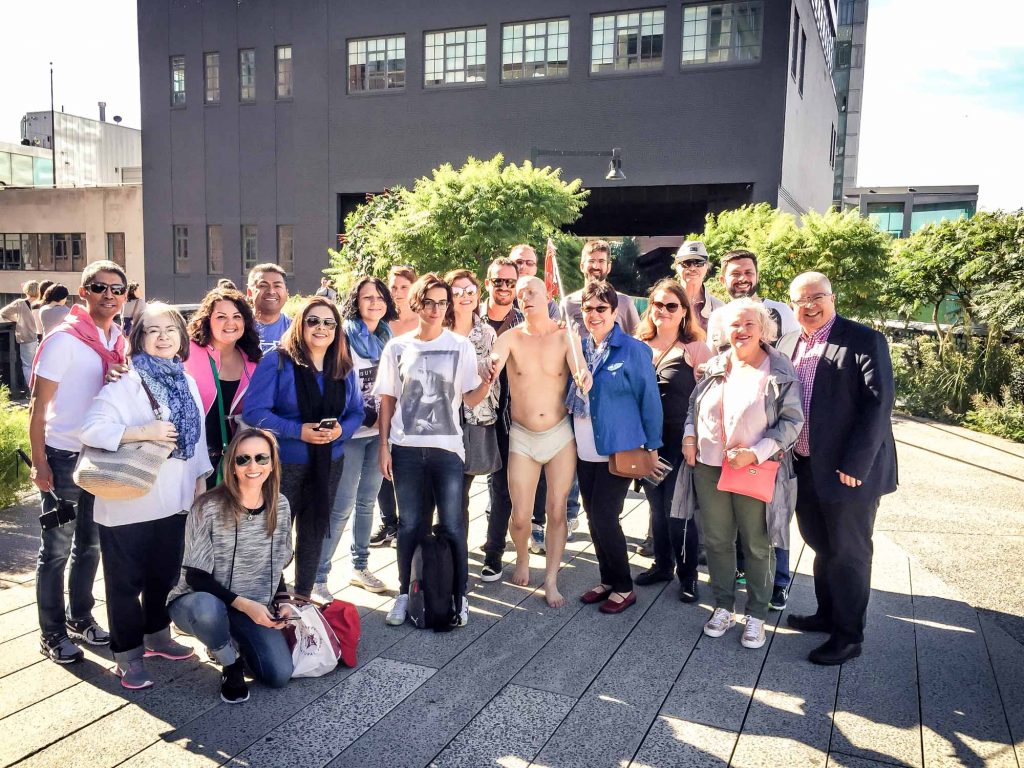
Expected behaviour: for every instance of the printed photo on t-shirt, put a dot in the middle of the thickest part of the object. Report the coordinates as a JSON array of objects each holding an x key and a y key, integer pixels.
[{"x": 428, "y": 390}]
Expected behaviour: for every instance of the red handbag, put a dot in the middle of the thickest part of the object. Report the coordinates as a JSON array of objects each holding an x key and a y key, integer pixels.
[{"x": 754, "y": 480}]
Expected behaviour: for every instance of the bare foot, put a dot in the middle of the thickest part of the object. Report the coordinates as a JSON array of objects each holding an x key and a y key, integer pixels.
[
  {"x": 521, "y": 576},
  {"x": 552, "y": 595}
]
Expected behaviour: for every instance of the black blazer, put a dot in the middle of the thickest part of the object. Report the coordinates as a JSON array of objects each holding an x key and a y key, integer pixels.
[{"x": 851, "y": 413}]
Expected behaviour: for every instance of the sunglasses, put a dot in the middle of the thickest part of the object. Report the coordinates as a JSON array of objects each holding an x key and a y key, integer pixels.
[
  {"x": 600, "y": 310},
  {"x": 469, "y": 290},
  {"x": 116, "y": 289},
  {"x": 503, "y": 282},
  {"x": 315, "y": 322},
  {"x": 525, "y": 263},
  {"x": 668, "y": 306},
  {"x": 692, "y": 263},
  {"x": 243, "y": 459}
]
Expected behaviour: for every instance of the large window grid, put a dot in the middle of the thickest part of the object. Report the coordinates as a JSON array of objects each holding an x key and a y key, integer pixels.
[
  {"x": 717, "y": 33},
  {"x": 211, "y": 67},
  {"x": 45, "y": 251},
  {"x": 455, "y": 57},
  {"x": 627, "y": 41},
  {"x": 286, "y": 247},
  {"x": 250, "y": 247},
  {"x": 376, "y": 64},
  {"x": 247, "y": 74},
  {"x": 214, "y": 249},
  {"x": 535, "y": 49},
  {"x": 888, "y": 217},
  {"x": 177, "y": 81},
  {"x": 181, "y": 264},
  {"x": 283, "y": 66}
]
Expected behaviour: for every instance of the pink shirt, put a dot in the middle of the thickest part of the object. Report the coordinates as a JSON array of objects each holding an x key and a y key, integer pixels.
[{"x": 735, "y": 410}]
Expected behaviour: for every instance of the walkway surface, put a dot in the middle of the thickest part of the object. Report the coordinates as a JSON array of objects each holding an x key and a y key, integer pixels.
[{"x": 941, "y": 682}]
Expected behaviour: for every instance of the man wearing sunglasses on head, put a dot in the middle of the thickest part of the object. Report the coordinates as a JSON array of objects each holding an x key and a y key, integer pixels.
[
  {"x": 691, "y": 265},
  {"x": 595, "y": 264},
  {"x": 68, "y": 372}
]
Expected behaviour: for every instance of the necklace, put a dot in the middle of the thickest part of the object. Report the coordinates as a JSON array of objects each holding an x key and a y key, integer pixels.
[{"x": 251, "y": 513}]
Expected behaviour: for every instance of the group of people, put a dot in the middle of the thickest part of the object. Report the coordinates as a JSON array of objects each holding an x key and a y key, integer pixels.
[{"x": 400, "y": 393}]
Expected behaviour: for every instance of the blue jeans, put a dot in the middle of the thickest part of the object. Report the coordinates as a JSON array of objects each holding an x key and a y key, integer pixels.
[
  {"x": 783, "y": 577},
  {"x": 360, "y": 482},
  {"x": 416, "y": 470},
  {"x": 79, "y": 540},
  {"x": 215, "y": 624}
]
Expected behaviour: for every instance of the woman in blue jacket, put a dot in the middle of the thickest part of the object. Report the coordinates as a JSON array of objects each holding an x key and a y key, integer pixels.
[
  {"x": 297, "y": 391},
  {"x": 623, "y": 413}
]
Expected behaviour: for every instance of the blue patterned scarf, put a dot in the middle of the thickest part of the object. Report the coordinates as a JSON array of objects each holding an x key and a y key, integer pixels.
[
  {"x": 166, "y": 380},
  {"x": 365, "y": 344},
  {"x": 595, "y": 355}
]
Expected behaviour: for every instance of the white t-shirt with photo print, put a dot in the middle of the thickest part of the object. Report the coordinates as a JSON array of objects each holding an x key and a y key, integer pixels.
[{"x": 428, "y": 379}]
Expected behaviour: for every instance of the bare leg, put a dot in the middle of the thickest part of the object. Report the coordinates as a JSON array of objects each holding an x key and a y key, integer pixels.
[
  {"x": 558, "y": 471},
  {"x": 523, "y": 474}
]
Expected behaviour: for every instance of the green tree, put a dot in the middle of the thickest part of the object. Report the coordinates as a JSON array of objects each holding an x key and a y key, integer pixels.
[{"x": 367, "y": 248}]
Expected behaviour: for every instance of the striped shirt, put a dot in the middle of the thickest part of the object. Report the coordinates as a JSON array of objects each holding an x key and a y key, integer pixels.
[{"x": 809, "y": 350}]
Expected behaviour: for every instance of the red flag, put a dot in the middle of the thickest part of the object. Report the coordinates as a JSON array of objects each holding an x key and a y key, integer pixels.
[{"x": 549, "y": 271}]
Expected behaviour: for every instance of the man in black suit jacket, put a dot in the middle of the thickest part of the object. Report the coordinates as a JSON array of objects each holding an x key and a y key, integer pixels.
[{"x": 845, "y": 459}]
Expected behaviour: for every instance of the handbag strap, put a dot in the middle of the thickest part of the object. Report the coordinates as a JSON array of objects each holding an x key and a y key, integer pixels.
[
  {"x": 662, "y": 356},
  {"x": 152, "y": 400},
  {"x": 220, "y": 412}
]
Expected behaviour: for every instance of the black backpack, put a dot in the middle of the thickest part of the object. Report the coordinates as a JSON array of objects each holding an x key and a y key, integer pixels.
[{"x": 431, "y": 584}]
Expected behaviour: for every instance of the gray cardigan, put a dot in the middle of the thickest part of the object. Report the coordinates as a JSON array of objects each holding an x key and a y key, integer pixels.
[{"x": 785, "y": 415}]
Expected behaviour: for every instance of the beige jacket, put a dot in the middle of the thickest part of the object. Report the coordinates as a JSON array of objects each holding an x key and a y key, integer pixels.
[{"x": 20, "y": 312}]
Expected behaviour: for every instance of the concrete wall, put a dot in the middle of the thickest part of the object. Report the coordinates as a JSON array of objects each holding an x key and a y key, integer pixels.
[
  {"x": 94, "y": 211},
  {"x": 284, "y": 162}
]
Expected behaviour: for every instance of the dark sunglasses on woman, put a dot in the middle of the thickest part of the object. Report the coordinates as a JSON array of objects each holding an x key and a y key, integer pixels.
[
  {"x": 315, "y": 322},
  {"x": 243, "y": 459},
  {"x": 668, "y": 306}
]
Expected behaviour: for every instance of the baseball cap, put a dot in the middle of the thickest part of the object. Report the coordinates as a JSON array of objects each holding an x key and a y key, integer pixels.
[{"x": 691, "y": 249}]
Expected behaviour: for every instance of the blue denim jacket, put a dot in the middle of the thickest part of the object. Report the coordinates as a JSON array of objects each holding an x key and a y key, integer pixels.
[{"x": 624, "y": 402}]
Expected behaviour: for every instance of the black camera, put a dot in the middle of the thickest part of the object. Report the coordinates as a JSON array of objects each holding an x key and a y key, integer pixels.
[{"x": 64, "y": 512}]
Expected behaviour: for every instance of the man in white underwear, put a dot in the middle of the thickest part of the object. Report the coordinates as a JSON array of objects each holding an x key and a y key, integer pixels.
[{"x": 540, "y": 358}]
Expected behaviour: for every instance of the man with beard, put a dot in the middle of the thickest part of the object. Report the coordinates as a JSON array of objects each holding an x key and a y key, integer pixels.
[
  {"x": 595, "y": 264},
  {"x": 268, "y": 292},
  {"x": 739, "y": 276}
]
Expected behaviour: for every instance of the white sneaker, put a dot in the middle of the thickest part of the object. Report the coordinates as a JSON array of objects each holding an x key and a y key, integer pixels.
[
  {"x": 753, "y": 633},
  {"x": 321, "y": 592},
  {"x": 537, "y": 539},
  {"x": 572, "y": 525},
  {"x": 463, "y": 618},
  {"x": 399, "y": 611},
  {"x": 721, "y": 621},
  {"x": 365, "y": 578}
]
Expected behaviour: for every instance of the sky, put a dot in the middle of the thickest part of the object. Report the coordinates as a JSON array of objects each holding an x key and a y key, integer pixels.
[{"x": 943, "y": 93}]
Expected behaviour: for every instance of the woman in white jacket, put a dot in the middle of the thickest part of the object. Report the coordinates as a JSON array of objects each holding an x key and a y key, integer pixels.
[{"x": 141, "y": 540}]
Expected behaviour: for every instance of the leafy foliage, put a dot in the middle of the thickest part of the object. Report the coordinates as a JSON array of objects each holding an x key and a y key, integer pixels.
[
  {"x": 997, "y": 416},
  {"x": 367, "y": 249},
  {"x": 13, "y": 435}
]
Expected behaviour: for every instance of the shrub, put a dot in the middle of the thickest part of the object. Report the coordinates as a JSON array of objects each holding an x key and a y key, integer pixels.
[
  {"x": 13, "y": 435},
  {"x": 997, "y": 416}
]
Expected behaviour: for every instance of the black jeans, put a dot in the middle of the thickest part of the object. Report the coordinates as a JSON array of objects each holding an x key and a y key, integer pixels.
[
  {"x": 308, "y": 543},
  {"x": 141, "y": 564},
  {"x": 676, "y": 542},
  {"x": 603, "y": 495},
  {"x": 388, "y": 505},
  {"x": 840, "y": 535}
]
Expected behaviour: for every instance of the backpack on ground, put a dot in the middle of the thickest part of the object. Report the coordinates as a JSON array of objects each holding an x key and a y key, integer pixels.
[{"x": 431, "y": 584}]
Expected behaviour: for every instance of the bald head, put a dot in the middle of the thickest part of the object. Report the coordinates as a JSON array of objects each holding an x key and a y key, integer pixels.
[
  {"x": 816, "y": 280},
  {"x": 812, "y": 299},
  {"x": 532, "y": 295}
]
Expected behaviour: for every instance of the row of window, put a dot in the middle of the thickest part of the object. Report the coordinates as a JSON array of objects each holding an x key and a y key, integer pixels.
[
  {"x": 215, "y": 248},
  {"x": 18, "y": 170},
  {"x": 52, "y": 252},
  {"x": 712, "y": 33}
]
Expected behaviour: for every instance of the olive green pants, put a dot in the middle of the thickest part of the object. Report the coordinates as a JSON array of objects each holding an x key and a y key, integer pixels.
[{"x": 722, "y": 514}]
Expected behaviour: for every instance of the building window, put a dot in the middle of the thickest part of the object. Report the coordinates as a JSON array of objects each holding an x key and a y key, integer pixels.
[
  {"x": 5, "y": 168},
  {"x": 214, "y": 249},
  {"x": 115, "y": 248},
  {"x": 181, "y": 250},
  {"x": 794, "y": 54},
  {"x": 250, "y": 247},
  {"x": 247, "y": 74},
  {"x": 722, "y": 32},
  {"x": 803, "y": 62},
  {"x": 627, "y": 41},
  {"x": 45, "y": 252},
  {"x": 537, "y": 49},
  {"x": 286, "y": 247},
  {"x": 376, "y": 64},
  {"x": 888, "y": 217},
  {"x": 177, "y": 81},
  {"x": 283, "y": 64},
  {"x": 212, "y": 64},
  {"x": 30, "y": 251},
  {"x": 933, "y": 213},
  {"x": 10, "y": 254},
  {"x": 455, "y": 56}
]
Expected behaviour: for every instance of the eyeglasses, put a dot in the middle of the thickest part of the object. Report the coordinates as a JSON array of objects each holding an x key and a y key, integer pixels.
[
  {"x": 469, "y": 290},
  {"x": 691, "y": 263},
  {"x": 815, "y": 299},
  {"x": 430, "y": 304},
  {"x": 503, "y": 282},
  {"x": 315, "y": 322},
  {"x": 116, "y": 289},
  {"x": 243, "y": 459},
  {"x": 525, "y": 263},
  {"x": 601, "y": 309},
  {"x": 668, "y": 306}
]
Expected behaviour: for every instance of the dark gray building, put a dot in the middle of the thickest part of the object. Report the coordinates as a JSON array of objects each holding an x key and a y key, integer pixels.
[{"x": 265, "y": 121}]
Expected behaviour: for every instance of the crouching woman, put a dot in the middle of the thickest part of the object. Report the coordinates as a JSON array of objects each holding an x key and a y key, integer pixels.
[{"x": 237, "y": 543}]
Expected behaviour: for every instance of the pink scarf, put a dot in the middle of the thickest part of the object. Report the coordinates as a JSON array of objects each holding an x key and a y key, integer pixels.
[{"x": 81, "y": 326}]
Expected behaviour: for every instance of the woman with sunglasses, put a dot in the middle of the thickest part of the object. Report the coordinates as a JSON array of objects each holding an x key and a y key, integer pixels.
[
  {"x": 224, "y": 351},
  {"x": 365, "y": 310},
  {"x": 237, "y": 543},
  {"x": 691, "y": 264},
  {"x": 670, "y": 328},
  {"x": 424, "y": 379},
  {"x": 622, "y": 413},
  {"x": 307, "y": 394},
  {"x": 478, "y": 430},
  {"x": 141, "y": 539}
]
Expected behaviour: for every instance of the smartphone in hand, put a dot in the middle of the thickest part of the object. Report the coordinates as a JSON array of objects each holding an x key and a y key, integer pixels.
[{"x": 327, "y": 424}]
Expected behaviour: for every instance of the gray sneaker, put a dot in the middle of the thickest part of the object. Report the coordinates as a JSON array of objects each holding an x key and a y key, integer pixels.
[
  {"x": 87, "y": 631},
  {"x": 133, "y": 675},
  {"x": 161, "y": 644},
  {"x": 60, "y": 649}
]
